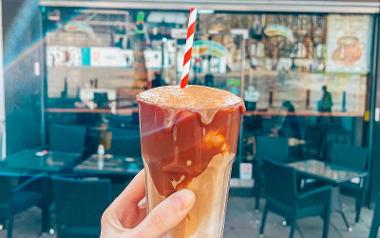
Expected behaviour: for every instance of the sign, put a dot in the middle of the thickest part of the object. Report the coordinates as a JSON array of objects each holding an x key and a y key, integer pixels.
[
  {"x": 348, "y": 43},
  {"x": 103, "y": 57},
  {"x": 211, "y": 48},
  {"x": 63, "y": 56},
  {"x": 107, "y": 57},
  {"x": 245, "y": 171}
]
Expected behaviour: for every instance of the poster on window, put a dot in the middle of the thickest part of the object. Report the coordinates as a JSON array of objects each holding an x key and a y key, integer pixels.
[
  {"x": 63, "y": 56},
  {"x": 109, "y": 57},
  {"x": 348, "y": 43}
]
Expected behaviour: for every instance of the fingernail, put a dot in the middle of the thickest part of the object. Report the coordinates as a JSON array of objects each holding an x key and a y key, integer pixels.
[
  {"x": 184, "y": 198},
  {"x": 142, "y": 203}
]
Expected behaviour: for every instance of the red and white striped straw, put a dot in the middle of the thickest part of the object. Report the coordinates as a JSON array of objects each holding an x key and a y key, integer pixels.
[{"x": 189, "y": 47}]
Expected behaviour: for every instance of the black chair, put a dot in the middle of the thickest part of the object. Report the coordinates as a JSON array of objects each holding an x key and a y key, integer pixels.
[
  {"x": 284, "y": 198},
  {"x": 79, "y": 205},
  {"x": 270, "y": 148},
  {"x": 315, "y": 142},
  {"x": 18, "y": 198},
  {"x": 356, "y": 158},
  {"x": 67, "y": 138},
  {"x": 126, "y": 142},
  {"x": 375, "y": 219}
]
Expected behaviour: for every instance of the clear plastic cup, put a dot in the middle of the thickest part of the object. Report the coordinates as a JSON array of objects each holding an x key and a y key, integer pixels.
[{"x": 189, "y": 140}]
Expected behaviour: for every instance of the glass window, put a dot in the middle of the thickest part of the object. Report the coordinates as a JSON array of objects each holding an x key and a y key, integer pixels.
[{"x": 302, "y": 76}]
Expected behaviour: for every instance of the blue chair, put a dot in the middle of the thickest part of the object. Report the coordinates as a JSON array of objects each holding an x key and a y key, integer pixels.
[
  {"x": 286, "y": 199},
  {"x": 270, "y": 148},
  {"x": 79, "y": 205},
  {"x": 375, "y": 219},
  {"x": 356, "y": 158},
  {"x": 67, "y": 138},
  {"x": 126, "y": 142},
  {"x": 15, "y": 198}
]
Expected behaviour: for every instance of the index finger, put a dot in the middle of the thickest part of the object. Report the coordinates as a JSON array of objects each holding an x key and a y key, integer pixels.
[{"x": 132, "y": 194}]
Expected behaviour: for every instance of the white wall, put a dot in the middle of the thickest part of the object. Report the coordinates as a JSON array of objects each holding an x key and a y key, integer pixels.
[{"x": 2, "y": 103}]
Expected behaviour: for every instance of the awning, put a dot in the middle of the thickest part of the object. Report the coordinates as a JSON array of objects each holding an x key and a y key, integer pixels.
[{"x": 325, "y": 6}]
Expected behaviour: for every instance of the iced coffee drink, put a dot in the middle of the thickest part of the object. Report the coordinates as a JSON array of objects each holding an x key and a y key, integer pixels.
[{"x": 189, "y": 140}]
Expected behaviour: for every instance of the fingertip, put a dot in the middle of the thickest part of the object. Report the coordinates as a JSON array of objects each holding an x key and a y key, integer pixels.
[
  {"x": 184, "y": 198},
  {"x": 167, "y": 214},
  {"x": 143, "y": 203}
]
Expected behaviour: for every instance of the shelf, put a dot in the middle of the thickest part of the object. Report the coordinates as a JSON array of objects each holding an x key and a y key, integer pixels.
[
  {"x": 121, "y": 111},
  {"x": 129, "y": 111}
]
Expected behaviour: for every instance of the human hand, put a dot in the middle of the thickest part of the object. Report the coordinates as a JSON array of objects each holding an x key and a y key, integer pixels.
[{"x": 126, "y": 216}]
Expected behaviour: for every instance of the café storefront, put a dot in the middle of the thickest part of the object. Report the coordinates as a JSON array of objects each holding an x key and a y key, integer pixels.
[{"x": 97, "y": 55}]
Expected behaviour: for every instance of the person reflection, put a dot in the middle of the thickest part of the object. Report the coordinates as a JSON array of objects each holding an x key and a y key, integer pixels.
[
  {"x": 209, "y": 80},
  {"x": 158, "y": 81},
  {"x": 325, "y": 103},
  {"x": 289, "y": 126}
]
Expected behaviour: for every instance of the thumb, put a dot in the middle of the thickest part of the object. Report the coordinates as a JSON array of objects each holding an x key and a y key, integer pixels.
[{"x": 166, "y": 215}]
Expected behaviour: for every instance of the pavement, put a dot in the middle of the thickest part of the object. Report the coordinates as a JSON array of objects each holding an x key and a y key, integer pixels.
[{"x": 242, "y": 221}]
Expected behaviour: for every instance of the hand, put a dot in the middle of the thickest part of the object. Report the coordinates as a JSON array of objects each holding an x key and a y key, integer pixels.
[{"x": 126, "y": 216}]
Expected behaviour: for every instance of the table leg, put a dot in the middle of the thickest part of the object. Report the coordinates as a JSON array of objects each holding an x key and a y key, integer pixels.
[{"x": 336, "y": 206}]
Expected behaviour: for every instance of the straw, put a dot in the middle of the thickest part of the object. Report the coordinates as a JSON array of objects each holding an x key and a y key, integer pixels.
[{"x": 189, "y": 47}]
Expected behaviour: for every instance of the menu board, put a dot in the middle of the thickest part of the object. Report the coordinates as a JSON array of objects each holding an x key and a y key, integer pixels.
[{"x": 348, "y": 43}]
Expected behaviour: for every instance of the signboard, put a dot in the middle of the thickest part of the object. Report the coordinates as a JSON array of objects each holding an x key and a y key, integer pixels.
[
  {"x": 103, "y": 57},
  {"x": 107, "y": 57},
  {"x": 348, "y": 43},
  {"x": 63, "y": 56}
]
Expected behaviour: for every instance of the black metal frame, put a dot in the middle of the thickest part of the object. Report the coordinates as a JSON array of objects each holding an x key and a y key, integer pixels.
[{"x": 372, "y": 123}]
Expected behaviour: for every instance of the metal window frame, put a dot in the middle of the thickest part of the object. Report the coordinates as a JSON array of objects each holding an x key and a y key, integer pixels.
[
  {"x": 2, "y": 92},
  {"x": 375, "y": 80},
  {"x": 321, "y": 6}
]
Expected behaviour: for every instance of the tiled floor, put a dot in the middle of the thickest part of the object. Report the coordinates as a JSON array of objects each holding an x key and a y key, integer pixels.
[{"x": 242, "y": 221}]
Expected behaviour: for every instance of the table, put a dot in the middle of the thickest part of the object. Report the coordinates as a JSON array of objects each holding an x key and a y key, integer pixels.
[
  {"x": 31, "y": 162},
  {"x": 51, "y": 162},
  {"x": 329, "y": 173},
  {"x": 116, "y": 165},
  {"x": 332, "y": 174}
]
